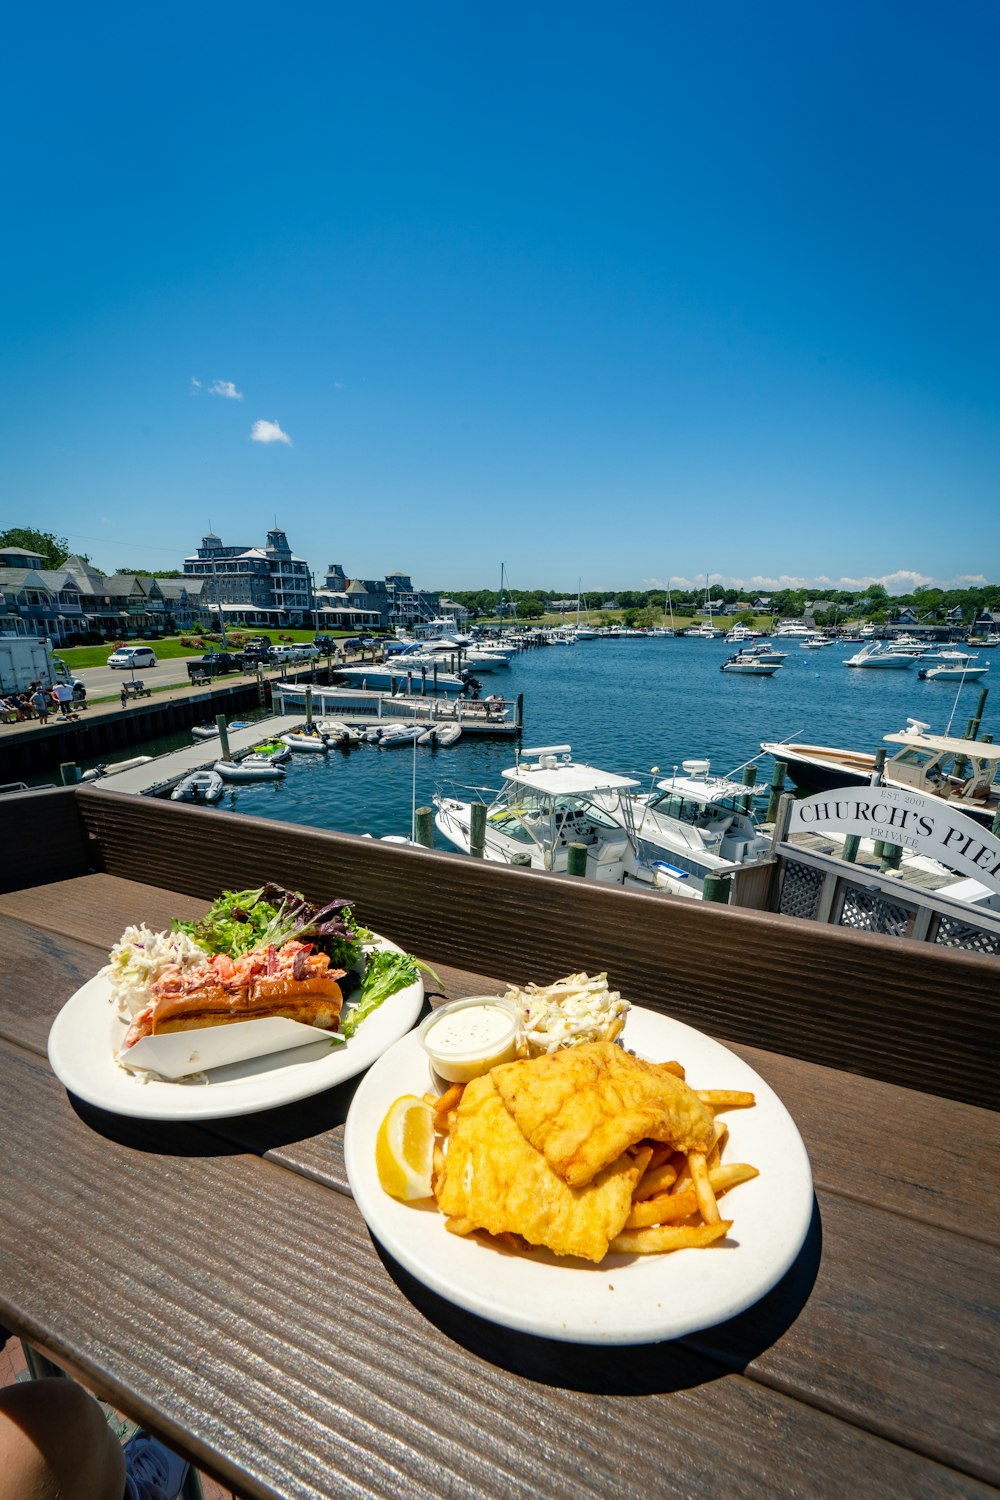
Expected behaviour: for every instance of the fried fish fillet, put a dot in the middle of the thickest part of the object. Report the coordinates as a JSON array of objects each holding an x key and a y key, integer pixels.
[
  {"x": 582, "y": 1106},
  {"x": 496, "y": 1181}
]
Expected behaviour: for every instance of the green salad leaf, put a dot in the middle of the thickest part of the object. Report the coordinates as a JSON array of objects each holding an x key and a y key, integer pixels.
[
  {"x": 235, "y": 923},
  {"x": 386, "y": 973}
]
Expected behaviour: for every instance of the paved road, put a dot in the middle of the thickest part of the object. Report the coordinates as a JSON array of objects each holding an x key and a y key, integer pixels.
[{"x": 103, "y": 681}]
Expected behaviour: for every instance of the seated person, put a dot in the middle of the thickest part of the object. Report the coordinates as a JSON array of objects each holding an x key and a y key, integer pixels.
[{"x": 55, "y": 1444}]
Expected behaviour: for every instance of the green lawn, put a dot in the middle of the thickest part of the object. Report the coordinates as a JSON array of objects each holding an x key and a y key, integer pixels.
[{"x": 170, "y": 646}]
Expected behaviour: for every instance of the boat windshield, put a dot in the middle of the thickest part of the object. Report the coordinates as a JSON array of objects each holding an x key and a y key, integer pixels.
[
  {"x": 688, "y": 810},
  {"x": 530, "y": 815}
]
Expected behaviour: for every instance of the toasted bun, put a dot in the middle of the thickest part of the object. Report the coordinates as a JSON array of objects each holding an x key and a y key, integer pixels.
[
  {"x": 314, "y": 1002},
  {"x": 322, "y": 1012}
]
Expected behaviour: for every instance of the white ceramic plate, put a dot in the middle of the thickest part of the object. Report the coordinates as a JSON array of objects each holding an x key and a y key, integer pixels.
[
  {"x": 86, "y": 1034},
  {"x": 626, "y": 1299}
]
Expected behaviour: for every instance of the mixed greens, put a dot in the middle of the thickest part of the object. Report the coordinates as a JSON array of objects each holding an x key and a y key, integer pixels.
[
  {"x": 386, "y": 973},
  {"x": 240, "y": 921}
]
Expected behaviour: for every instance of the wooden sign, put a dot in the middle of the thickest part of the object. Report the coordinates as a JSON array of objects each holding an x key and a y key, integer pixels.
[{"x": 908, "y": 818}]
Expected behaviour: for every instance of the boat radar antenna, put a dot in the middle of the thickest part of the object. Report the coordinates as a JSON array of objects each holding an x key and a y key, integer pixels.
[{"x": 916, "y": 726}]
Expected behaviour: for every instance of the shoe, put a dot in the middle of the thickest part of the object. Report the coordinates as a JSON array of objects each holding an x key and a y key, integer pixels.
[{"x": 152, "y": 1472}]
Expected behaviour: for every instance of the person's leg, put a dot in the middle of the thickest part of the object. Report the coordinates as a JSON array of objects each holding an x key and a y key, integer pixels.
[{"x": 56, "y": 1445}]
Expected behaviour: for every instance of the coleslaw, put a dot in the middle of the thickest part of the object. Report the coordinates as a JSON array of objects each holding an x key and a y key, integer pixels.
[
  {"x": 138, "y": 958},
  {"x": 573, "y": 1010}
]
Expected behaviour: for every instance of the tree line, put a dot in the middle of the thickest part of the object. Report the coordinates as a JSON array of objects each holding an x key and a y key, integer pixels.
[{"x": 827, "y": 605}]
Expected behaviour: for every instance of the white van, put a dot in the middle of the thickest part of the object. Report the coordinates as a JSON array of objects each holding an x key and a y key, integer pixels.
[{"x": 132, "y": 656}]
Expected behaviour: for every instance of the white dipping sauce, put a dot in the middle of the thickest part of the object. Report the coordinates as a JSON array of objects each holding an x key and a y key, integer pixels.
[
  {"x": 468, "y": 1037},
  {"x": 474, "y": 1029}
]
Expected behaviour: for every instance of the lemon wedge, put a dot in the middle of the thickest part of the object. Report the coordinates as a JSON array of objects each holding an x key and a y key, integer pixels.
[{"x": 404, "y": 1149}]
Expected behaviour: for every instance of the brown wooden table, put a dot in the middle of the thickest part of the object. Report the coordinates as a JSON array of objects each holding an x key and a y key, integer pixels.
[{"x": 217, "y": 1283}]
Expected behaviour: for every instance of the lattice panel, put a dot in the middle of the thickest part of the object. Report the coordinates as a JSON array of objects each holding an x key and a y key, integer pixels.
[
  {"x": 800, "y": 890},
  {"x": 869, "y": 911},
  {"x": 953, "y": 933}
]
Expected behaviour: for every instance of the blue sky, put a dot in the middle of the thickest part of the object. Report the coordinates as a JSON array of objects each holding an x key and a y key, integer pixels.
[{"x": 613, "y": 293}]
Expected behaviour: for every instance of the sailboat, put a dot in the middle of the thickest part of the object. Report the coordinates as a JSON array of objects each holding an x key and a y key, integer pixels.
[{"x": 585, "y": 632}]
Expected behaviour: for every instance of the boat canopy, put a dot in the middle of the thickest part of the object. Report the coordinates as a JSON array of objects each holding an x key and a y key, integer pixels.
[
  {"x": 719, "y": 789},
  {"x": 941, "y": 744},
  {"x": 569, "y": 780}
]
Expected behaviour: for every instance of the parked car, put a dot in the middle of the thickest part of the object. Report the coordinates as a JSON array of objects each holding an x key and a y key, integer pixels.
[
  {"x": 325, "y": 644},
  {"x": 255, "y": 651},
  {"x": 132, "y": 656},
  {"x": 295, "y": 652},
  {"x": 214, "y": 664}
]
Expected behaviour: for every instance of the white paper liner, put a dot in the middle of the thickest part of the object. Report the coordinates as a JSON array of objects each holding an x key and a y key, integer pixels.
[{"x": 177, "y": 1054}]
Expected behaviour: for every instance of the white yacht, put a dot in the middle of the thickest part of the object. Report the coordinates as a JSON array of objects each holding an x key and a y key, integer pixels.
[
  {"x": 548, "y": 802},
  {"x": 746, "y": 665},
  {"x": 874, "y": 654},
  {"x": 668, "y": 839},
  {"x": 964, "y": 772},
  {"x": 702, "y": 823},
  {"x": 394, "y": 674},
  {"x": 966, "y": 671},
  {"x": 703, "y": 632},
  {"x": 792, "y": 630}
]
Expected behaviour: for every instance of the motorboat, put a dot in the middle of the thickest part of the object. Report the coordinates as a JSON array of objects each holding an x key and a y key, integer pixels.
[
  {"x": 549, "y": 801},
  {"x": 910, "y": 645},
  {"x": 199, "y": 786},
  {"x": 250, "y": 768},
  {"x": 703, "y": 632},
  {"x": 701, "y": 822},
  {"x": 763, "y": 652},
  {"x": 960, "y": 771},
  {"x": 309, "y": 741},
  {"x": 666, "y": 840},
  {"x": 791, "y": 630},
  {"x": 874, "y": 654},
  {"x": 969, "y": 671},
  {"x": 447, "y": 734},
  {"x": 750, "y": 666},
  {"x": 397, "y": 676}
]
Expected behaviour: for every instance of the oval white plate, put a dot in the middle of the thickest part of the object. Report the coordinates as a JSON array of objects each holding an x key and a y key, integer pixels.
[
  {"x": 626, "y": 1299},
  {"x": 87, "y": 1033}
]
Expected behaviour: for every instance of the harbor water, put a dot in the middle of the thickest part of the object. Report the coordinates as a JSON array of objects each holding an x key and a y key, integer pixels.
[{"x": 625, "y": 705}]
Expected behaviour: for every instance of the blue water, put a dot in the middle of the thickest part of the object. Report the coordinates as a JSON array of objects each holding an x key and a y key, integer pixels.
[{"x": 624, "y": 705}]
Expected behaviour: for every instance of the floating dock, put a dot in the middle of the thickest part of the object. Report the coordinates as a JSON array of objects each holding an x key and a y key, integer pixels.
[{"x": 493, "y": 715}]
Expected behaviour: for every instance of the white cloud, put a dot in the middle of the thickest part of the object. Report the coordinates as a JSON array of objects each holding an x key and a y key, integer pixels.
[
  {"x": 268, "y": 432},
  {"x": 195, "y": 383},
  {"x": 902, "y": 581},
  {"x": 225, "y": 388}
]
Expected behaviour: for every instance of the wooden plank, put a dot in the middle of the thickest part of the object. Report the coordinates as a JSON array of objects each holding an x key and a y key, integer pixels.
[
  {"x": 919, "y": 1155},
  {"x": 896, "y": 1333},
  {"x": 40, "y": 972},
  {"x": 241, "y": 1311},
  {"x": 95, "y": 908},
  {"x": 788, "y": 986}
]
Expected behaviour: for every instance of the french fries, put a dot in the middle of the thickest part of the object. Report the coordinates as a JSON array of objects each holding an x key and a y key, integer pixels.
[
  {"x": 681, "y": 1237},
  {"x": 717, "y": 1099},
  {"x": 674, "y": 1202}
]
